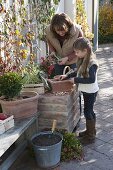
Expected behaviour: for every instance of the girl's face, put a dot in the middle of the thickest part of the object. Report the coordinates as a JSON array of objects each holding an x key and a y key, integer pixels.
[{"x": 80, "y": 53}]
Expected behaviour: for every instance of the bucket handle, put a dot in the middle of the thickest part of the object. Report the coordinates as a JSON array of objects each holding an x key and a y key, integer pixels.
[{"x": 66, "y": 68}]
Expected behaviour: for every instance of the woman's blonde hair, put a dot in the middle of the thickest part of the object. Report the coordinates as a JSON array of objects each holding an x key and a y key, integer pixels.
[
  {"x": 60, "y": 22},
  {"x": 82, "y": 63}
]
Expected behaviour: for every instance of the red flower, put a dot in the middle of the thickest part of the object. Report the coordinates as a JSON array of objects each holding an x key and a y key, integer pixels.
[{"x": 46, "y": 66}]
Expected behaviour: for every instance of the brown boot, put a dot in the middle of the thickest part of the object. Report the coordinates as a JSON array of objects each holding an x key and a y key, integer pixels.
[
  {"x": 85, "y": 132},
  {"x": 89, "y": 135}
]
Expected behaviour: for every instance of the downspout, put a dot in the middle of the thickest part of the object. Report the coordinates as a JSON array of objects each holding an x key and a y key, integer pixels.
[{"x": 95, "y": 23}]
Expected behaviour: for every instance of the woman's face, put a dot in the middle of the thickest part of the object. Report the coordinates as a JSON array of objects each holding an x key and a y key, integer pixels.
[
  {"x": 61, "y": 32},
  {"x": 80, "y": 53}
]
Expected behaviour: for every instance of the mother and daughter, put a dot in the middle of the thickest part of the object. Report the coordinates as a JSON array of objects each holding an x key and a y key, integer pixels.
[{"x": 67, "y": 40}]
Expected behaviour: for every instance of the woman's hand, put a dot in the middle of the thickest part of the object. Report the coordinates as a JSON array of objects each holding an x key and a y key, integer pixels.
[
  {"x": 52, "y": 54},
  {"x": 51, "y": 57},
  {"x": 63, "y": 61}
]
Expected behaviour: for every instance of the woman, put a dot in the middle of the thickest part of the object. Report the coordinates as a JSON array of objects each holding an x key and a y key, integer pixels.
[
  {"x": 86, "y": 78},
  {"x": 60, "y": 35}
]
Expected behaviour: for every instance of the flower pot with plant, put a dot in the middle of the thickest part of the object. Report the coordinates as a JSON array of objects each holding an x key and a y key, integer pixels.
[
  {"x": 21, "y": 105},
  {"x": 32, "y": 79}
]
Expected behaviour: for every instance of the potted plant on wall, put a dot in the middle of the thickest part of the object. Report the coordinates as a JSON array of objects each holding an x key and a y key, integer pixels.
[
  {"x": 21, "y": 105},
  {"x": 32, "y": 78}
]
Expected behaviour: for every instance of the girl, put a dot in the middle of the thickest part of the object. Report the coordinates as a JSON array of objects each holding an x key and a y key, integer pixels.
[
  {"x": 86, "y": 78},
  {"x": 60, "y": 35}
]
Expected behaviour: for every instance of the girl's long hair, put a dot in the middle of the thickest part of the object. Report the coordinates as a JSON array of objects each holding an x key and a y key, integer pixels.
[
  {"x": 61, "y": 22},
  {"x": 82, "y": 63}
]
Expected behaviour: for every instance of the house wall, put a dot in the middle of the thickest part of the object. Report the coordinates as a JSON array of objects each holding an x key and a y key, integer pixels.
[
  {"x": 91, "y": 7},
  {"x": 95, "y": 23},
  {"x": 89, "y": 12},
  {"x": 69, "y": 8},
  {"x": 60, "y": 7}
]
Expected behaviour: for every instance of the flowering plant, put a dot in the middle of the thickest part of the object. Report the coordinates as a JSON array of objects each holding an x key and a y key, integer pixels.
[
  {"x": 47, "y": 67},
  {"x": 16, "y": 38},
  {"x": 31, "y": 73}
]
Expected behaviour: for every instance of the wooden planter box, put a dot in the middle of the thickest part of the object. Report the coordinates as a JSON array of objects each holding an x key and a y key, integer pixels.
[
  {"x": 6, "y": 124},
  {"x": 64, "y": 108}
]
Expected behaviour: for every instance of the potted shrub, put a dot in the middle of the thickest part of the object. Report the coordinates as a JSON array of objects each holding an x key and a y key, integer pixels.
[
  {"x": 21, "y": 105},
  {"x": 10, "y": 85}
]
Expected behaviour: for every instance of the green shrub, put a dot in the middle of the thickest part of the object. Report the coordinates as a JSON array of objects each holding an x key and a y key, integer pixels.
[
  {"x": 105, "y": 39},
  {"x": 106, "y": 23},
  {"x": 71, "y": 147},
  {"x": 10, "y": 85}
]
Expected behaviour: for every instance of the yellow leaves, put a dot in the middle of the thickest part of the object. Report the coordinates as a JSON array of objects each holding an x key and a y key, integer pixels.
[
  {"x": 2, "y": 8},
  {"x": 81, "y": 19},
  {"x": 17, "y": 32},
  {"x": 23, "y": 53},
  {"x": 30, "y": 35},
  {"x": 19, "y": 43},
  {"x": 1, "y": 60}
]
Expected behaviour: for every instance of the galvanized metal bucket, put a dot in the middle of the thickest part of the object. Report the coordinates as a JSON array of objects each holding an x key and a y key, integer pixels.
[{"x": 47, "y": 156}]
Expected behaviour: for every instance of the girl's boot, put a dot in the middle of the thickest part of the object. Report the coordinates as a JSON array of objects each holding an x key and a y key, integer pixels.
[
  {"x": 88, "y": 136},
  {"x": 87, "y": 131},
  {"x": 84, "y": 132}
]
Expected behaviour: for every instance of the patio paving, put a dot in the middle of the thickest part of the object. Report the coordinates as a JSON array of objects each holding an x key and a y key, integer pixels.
[{"x": 97, "y": 156}]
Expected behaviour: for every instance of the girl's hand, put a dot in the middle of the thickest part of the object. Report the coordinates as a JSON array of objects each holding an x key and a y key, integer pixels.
[
  {"x": 63, "y": 61},
  {"x": 60, "y": 77},
  {"x": 63, "y": 77}
]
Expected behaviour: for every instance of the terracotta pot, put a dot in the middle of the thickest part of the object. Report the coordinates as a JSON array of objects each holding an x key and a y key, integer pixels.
[
  {"x": 22, "y": 108},
  {"x": 61, "y": 86}
]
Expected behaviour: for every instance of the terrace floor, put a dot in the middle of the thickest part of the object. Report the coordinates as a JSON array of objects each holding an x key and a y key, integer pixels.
[{"x": 98, "y": 156}]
